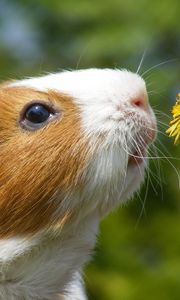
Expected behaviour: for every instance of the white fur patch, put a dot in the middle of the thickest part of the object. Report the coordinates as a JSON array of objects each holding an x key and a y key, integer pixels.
[{"x": 46, "y": 266}]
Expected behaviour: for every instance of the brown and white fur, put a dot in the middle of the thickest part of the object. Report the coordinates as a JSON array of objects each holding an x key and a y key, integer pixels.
[{"x": 58, "y": 180}]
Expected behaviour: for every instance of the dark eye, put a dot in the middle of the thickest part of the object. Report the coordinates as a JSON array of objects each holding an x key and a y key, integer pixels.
[{"x": 36, "y": 115}]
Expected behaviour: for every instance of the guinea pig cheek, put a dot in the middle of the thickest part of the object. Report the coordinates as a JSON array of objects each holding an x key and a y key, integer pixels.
[{"x": 41, "y": 166}]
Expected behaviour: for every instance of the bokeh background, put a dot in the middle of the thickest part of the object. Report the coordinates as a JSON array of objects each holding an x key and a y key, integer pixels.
[{"x": 137, "y": 255}]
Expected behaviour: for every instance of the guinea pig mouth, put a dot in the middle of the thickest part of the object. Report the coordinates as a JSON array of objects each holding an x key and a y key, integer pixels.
[
  {"x": 137, "y": 157},
  {"x": 138, "y": 154}
]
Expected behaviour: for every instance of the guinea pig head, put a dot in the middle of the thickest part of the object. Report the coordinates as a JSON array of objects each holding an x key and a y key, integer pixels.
[{"x": 71, "y": 143}]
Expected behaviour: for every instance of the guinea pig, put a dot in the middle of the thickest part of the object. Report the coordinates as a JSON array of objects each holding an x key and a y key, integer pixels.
[{"x": 73, "y": 146}]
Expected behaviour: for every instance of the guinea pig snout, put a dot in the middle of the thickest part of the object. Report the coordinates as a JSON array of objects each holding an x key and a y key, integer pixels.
[{"x": 138, "y": 118}]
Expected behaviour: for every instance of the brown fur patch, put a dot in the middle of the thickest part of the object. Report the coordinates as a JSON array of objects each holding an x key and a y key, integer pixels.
[{"x": 36, "y": 166}]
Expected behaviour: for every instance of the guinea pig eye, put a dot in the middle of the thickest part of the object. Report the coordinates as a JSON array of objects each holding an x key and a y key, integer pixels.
[{"x": 36, "y": 115}]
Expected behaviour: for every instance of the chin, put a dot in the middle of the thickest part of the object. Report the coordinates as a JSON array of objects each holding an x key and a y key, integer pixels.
[
  {"x": 134, "y": 180},
  {"x": 120, "y": 189}
]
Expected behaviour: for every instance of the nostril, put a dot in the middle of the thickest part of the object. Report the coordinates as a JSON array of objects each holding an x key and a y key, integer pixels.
[{"x": 139, "y": 102}]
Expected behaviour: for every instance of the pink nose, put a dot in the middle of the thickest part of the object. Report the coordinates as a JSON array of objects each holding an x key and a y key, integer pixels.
[{"x": 140, "y": 102}]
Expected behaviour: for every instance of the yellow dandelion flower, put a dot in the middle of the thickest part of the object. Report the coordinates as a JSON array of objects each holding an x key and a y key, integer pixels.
[{"x": 174, "y": 129}]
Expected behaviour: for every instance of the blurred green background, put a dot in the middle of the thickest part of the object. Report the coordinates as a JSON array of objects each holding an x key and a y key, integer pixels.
[{"x": 137, "y": 255}]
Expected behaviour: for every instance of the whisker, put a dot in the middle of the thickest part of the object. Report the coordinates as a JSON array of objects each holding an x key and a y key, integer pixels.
[
  {"x": 168, "y": 159},
  {"x": 160, "y": 64},
  {"x": 163, "y": 146},
  {"x": 143, "y": 209},
  {"x": 149, "y": 170},
  {"x": 157, "y": 112},
  {"x": 162, "y": 123},
  {"x": 84, "y": 51},
  {"x": 151, "y": 157},
  {"x": 157, "y": 166},
  {"x": 154, "y": 92},
  {"x": 141, "y": 61},
  {"x": 158, "y": 131}
]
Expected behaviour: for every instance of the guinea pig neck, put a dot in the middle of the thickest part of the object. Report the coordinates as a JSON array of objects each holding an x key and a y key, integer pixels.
[{"x": 47, "y": 266}]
